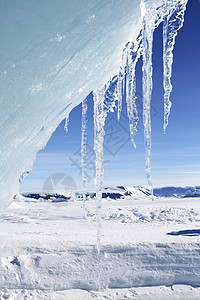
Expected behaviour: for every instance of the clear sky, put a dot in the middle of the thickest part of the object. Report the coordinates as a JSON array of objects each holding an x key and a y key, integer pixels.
[{"x": 175, "y": 155}]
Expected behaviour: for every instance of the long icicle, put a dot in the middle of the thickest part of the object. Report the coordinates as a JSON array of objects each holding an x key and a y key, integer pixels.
[
  {"x": 84, "y": 149},
  {"x": 133, "y": 55},
  {"x": 171, "y": 24},
  {"x": 99, "y": 123},
  {"x": 147, "y": 40},
  {"x": 120, "y": 85}
]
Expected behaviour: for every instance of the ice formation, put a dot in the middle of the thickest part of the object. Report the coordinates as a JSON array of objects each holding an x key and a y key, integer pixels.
[
  {"x": 54, "y": 54},
  {"x": 104, "y": 102},
  {"x": 84, "y": 148},
  {"x": 172, "y": 14},
  {"x": 147, "y": 41},
  {"x": 133, "y": 54},
  {"x": 99, "y": 122},
  {"x": 173, "y": 21}
]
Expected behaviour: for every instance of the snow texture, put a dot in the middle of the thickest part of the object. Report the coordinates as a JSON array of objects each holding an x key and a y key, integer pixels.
[
  {"x": 48, "y": 247},
  {"x": 175, "y": 292}
]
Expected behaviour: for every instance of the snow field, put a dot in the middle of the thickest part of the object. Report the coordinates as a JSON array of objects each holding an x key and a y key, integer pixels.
[{"x": 51, "y": 247}]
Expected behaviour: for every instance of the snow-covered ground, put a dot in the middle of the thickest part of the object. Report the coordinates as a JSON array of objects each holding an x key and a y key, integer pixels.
[{"x": 150, "y": 250}]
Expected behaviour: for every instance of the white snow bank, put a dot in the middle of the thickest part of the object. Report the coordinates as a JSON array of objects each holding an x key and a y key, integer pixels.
[{"x": 175, "y": 292}]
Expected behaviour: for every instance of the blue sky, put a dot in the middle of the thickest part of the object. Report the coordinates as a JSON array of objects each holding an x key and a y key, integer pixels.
[{"x": 175, "y": 155}]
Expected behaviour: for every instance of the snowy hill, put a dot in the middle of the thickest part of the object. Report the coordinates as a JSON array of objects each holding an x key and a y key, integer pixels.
[
  {"x": 114, "y": 193},
  {"x": 179, "y": 192}
]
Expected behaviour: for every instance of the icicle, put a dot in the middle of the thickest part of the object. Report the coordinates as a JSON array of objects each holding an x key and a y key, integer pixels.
[
  {"x": 99, "y": 122},
  {"x": 173, "y": 21},
  {"x": 147, "y": 40},
  {"x": 84, "y": 149},
  {"x": 100, "y": 113},
  {"x": 133, "y": 55},
  {"x": 120, "y": 84},
  {"x": 119, "y": 93},
  {"x": 66, "y": 123}
]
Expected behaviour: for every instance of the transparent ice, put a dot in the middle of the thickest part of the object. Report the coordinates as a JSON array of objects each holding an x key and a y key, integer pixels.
[
  {"x": 104, "y": 102},
  {"x": 133, "y": 52},
  {"x": 84, "y": 149},
  {"x": 99, "y": 132},
  {"x": 173, "y": 21},
  {"x": 151, "y": 16},
  {"x": 147, "y": 41}
]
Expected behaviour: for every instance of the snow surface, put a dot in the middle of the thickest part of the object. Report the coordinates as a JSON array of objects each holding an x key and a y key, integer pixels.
[
  {"x": 149, "y": 250},
  {"x": 176, "y": 292}
]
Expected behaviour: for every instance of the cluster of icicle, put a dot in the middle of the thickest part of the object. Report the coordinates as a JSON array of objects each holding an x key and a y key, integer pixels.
[{"x": 171, "y": 12}]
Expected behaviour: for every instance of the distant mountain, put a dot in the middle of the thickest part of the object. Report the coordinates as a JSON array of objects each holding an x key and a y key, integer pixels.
[
  {"x": 114, "y": 193},
  {"x": 178, "y": 192}
]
